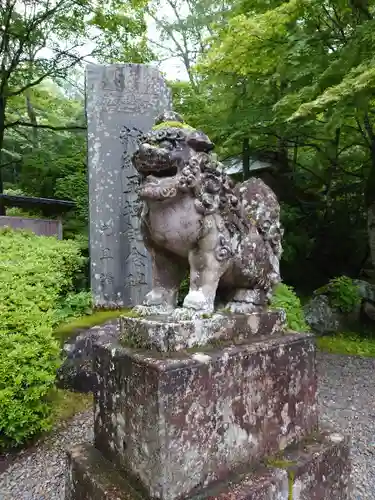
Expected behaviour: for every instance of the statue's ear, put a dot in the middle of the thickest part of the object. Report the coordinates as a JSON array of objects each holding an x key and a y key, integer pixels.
[{"x": 199, "y": 141}]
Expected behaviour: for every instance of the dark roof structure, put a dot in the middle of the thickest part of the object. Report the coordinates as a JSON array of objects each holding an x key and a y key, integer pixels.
[{"x": 46, "y": 205}]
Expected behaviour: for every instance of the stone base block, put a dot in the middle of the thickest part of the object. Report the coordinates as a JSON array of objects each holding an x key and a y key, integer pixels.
[
  {"x": 178, "y": 421},
  {"x": 89, "y": 476},
  {"x": 164, "y": 333},
  {"x": 316, "y": 469}
]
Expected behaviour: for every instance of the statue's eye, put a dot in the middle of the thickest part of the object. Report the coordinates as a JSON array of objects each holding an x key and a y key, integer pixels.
[{"x": 166, "y": 145}]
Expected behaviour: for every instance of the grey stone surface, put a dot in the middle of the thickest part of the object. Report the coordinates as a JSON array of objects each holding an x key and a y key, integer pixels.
[
  {"x": 346, "y": 402},
  {"x": 317, "y": 469},
  {"x": 320, "y": 316},
  {"x": 76, "y": 372},
  {"x": 85, "y": 483},
  {"x": 166, "y": 334},
  {"x": 182, "y": 421},
  {"x": 325, "y": 319},
  {"x": 122, "y": 101}
]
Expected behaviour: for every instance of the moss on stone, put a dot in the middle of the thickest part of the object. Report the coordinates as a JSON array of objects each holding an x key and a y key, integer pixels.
[
  {"x": 207, "y": 315},
  {"x": 66, "y": 330},
  {"x": 172, "y": 124},
  {"x": 280, "y": 462}
]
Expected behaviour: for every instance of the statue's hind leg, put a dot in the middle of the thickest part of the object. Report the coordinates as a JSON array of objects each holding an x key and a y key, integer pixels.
[{"x": 247, "y": 300}]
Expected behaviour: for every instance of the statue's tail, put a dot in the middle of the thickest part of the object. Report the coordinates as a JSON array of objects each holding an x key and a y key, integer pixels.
[{"x": 261, "y": 207}]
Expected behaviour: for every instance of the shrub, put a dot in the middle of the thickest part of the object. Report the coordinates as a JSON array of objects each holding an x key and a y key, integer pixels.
[
  {"x": 74, "y": 305},
  {"x": 34, "y": 272},
  {"x": 342, "y": 293},
  {"x": 285, "y": 298}
]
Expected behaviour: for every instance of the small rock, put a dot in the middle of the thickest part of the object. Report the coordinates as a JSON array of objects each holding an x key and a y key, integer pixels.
[{"x": 320, "y": 316}]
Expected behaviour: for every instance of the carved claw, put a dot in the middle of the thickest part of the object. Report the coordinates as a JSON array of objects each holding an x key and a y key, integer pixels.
[
  {"x": 196, "y": 300},
  {"x": 160, "y": 297},
  {"x": 154, "y": 298}
]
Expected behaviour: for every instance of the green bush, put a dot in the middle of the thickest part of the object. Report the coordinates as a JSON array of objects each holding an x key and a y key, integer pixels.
[
  {"x": 34, "y": 273},
  {"x": 74, "y": 305},
  {"x": 285, "y": 298},
  {"x": 342, "y": 294}
]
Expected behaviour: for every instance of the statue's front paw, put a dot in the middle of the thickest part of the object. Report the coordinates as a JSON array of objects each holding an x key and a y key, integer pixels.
[
  {"x": 154, "y": 298},
  {"x": 196, "y": 300}
]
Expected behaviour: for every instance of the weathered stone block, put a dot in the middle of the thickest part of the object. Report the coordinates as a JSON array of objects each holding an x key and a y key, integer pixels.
[
  {"x": 89, "y": 476},
  {"x": 166, "y": 334},
  {"x": 76, "y": 371},
  {"x": 321, "y": 469},
  {"x": 316, "y": 469},
  {"x": 176, "y": 422}
]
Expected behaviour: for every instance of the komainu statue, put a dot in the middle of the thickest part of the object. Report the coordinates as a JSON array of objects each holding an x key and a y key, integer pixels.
[{"x": 195, "y": 218}]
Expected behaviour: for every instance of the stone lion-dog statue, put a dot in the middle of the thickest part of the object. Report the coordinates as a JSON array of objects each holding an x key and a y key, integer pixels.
[{"x": 194, "y": 217}]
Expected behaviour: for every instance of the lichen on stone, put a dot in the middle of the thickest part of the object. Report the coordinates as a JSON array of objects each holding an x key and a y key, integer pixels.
[{"x": 172, "y": 124}]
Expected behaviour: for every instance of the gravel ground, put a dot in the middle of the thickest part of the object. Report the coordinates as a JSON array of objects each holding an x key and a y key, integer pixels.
[{"x": 347, "y": 400}]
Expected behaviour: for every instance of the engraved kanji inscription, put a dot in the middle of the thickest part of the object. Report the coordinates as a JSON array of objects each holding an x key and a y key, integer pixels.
[
  {"x": 106, "y": 278},
  {"x": 131, "y": 184},
  {"x": 105, "y": 253},
  {"x": 132, "y": 208},
  {"x": 106, "y": 228}
]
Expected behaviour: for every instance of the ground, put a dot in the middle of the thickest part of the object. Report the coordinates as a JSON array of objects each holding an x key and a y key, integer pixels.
[{"x": 347, "y": 402}]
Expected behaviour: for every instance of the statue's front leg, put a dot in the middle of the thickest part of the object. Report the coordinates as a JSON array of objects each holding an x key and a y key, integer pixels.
[
  {"x": 205, "y": 273},
  {"x": 167, "y": 274}
]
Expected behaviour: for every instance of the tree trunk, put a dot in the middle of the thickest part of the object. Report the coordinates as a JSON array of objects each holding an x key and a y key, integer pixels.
[
  {"x": 370, "y": 205},
  {"x": 2, "y": 132},
  {"x": 371, "y": 234}
]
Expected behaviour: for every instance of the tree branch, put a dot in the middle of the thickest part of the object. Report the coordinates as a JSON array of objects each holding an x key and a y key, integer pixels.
[
  {"x": 20, "y": 123},
  {"x": 47, "y": 74}
]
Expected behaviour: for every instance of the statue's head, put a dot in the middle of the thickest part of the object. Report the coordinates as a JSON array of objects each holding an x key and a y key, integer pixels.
[{"x": 167, "y": 149}]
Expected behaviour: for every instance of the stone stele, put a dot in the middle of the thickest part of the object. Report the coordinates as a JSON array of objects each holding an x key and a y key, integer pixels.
[
  {"x": 216, "y": 399},
  {"x": 122, "y": 102}
]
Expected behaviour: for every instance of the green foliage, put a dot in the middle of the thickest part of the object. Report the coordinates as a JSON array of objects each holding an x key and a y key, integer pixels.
[
  {"x": 35, "y": 272},
  {"x": 184, "y": 289},
  {"x": 347, "y": 344},
  {"x": 295, "y": 81},
  {"x": 285, "y": 298},
  {"x": 342, "y": 294},
  {"x": 65, "y": 404},
  {"x": 73, "y": 305},
  {"x": 28, "y": 364}
]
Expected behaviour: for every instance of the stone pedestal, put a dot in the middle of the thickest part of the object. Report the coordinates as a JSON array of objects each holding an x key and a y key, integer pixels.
[
  {"x": 231, "y": 420},
  {"x": 166, "y": 334}
]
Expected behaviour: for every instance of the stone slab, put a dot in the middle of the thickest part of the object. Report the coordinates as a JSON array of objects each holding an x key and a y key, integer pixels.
[
  {"x": 76, "y": 371},
  {"x": 318, "y": 470},
  {"x": 166, "y": 334},
  {"x": 122, "y": 102},
  {"x": 89, "y": 476},
  {"x": 321, "y": 469},
  {"x": 182, "y": 420}
]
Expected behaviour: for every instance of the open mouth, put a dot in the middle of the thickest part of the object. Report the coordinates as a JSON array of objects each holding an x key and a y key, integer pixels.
[
  {"x": 160, "y": 173},
  {"x": 154, "y": 161}
]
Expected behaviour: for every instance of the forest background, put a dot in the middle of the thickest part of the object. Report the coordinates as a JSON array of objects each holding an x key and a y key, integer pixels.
[{"x": 288, "y": 84}]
